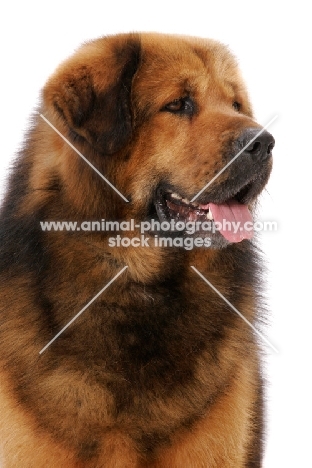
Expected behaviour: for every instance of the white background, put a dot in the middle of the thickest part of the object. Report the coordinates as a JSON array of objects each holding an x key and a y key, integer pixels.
[{"x": 272, "y": 41}]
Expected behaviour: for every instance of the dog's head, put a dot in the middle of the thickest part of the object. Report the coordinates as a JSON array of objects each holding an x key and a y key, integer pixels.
[{"x": 168, "y": 122}]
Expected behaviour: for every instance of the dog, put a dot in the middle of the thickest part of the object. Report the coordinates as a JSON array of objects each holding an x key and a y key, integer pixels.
[{"x": 157, "y": 370}]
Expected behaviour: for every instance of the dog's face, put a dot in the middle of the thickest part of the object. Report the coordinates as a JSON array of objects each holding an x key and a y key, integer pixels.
[{"x": 163, "y": 117}]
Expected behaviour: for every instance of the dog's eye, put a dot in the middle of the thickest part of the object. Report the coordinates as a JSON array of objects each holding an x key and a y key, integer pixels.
[
  {"x": 180, "y": 106},
  {"x": 236, "y": 106}
]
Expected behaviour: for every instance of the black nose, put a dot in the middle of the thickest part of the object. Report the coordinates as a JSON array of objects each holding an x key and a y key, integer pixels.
[{"x": 257, "y": 143}]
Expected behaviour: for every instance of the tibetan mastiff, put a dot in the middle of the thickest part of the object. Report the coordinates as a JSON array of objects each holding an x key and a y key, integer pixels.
[{"x": 121, "y": 272}]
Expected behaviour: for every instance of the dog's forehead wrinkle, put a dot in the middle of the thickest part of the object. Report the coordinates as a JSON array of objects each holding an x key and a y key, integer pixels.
[{"x": 201, "y": 75}]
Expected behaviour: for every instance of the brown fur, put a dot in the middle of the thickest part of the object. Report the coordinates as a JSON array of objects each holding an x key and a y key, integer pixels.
[{"x": 158, "y": 372}]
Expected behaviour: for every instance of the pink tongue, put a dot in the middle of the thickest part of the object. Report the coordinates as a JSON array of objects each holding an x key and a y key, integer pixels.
[{"x": 234, "y": 220}]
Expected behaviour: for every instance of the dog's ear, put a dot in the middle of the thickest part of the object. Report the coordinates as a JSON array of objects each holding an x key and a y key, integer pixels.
[{"x": 92, "y": 91}]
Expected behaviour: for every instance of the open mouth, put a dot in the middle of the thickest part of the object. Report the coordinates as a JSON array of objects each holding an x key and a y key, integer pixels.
[{"x": 231, "y": 218}]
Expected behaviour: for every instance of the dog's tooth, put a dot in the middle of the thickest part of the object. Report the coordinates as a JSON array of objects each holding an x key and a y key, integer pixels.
[
  {"x": 209, "y": 215},
  {"x": 175, "y": 195}
]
